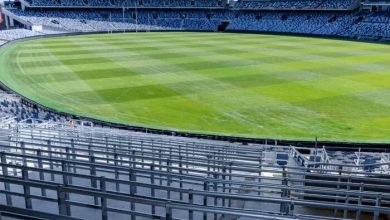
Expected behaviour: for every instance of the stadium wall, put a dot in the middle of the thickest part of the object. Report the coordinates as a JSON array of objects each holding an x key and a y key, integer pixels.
[
  {"x": 368, "y": 147},
  {"x": 2, "y": 21},
  {"x": 380, "y": 40}
]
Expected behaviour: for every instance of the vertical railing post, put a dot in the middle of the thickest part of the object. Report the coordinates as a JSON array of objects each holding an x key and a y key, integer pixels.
[
  {"x": 26, "y": 189},
  {"x": 377, "y": 206},
  {"x": 220, "y": 159},
  {"x": 206, "y": 189},
  {"x": 359, "y": 211},
  {"x": 64, "y": 171},
  {"x": 168, "y": 211},
  {"x": 116, "y": 172},
  {"x": 208, "y": 165},
  {"x": 188, "y": 159},
  {"x": 169, "y": 178},
  {"x": 133, "y": 179},
  {"x": 61, "y": 200},
  {"x": 347, "y": 197},
  {"x": 92, "y": 160},
  {"x": 64, "y": 167},
  {"x": 103, "y": 200},
  {"x": 51, "y": 162},
  {"x": 216, "y": 177},
  {"x": 345, "y": 215},
  {"x": 335, "y": 211},
  {"x": 5, "y": 173},
  {"x": 142, "y": 155},
  {"x": 260, "y": 169},
  {"x": 284, "y": 195},
  {"x": 73, "y": 152},
  {"x": 134, "y": 159},
  {"x": 224, "y": 184},
  {"x": 72, "y": 144},
  {"x": 133, "y": 191},
  {"x": 152, "y": 191},
  {"x": 181, "y": 173},
  {"x": 68, "y": 165},
  {"x": 190, "y": 201},
  {"x": 160, "y": 164},
  {"x": 230, "y": 182},
  {"x": 23, "y": 147},
  {"x": 41, "y": 174},
  {"x": 214, "y": 161},
  {"x": 292, "y": 208}
]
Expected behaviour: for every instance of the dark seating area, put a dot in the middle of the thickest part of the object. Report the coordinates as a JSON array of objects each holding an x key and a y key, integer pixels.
[
  {"x": 131, "y": 3},
  {"x": 296, "y": 4}
]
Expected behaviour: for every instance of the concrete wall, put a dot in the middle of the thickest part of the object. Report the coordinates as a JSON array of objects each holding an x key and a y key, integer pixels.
[{"x": 2, "y": 24}]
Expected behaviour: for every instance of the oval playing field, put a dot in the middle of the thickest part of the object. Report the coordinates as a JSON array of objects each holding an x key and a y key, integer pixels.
[{"x": 219, "y": 83}]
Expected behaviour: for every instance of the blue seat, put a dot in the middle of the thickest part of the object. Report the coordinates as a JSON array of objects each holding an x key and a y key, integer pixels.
[{"x": 282, "y": 159}]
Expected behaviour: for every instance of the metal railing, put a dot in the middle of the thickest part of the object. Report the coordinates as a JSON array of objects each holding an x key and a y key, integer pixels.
[{"x": 179, "y": 178}]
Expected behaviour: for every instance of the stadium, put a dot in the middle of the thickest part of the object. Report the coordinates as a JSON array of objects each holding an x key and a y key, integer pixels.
[{"x": 195, "y": 109}]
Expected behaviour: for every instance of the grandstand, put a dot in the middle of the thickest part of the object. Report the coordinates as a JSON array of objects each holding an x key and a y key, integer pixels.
[
  {"x": 131, "y": 3},
  {"x": 57, "y": 165},
  {"x": 297, "y": 5}
]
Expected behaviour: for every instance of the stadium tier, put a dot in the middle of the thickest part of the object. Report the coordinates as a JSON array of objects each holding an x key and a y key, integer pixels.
[
  {"x": 241, "y": 4},
  {"x": 9, "y": 35},
  {"x": 58, "y": 163},
  {"x": 131, "y": 3},
  {"x": 297, "y": 4},
  {"x": 345, "y": 23}
]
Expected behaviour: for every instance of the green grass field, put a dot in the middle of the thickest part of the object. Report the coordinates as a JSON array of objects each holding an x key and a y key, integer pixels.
[{"x": 232, "y": 84}]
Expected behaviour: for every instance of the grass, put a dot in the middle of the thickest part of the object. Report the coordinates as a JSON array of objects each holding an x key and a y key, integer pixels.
[{"x": 232, "y": 84}]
